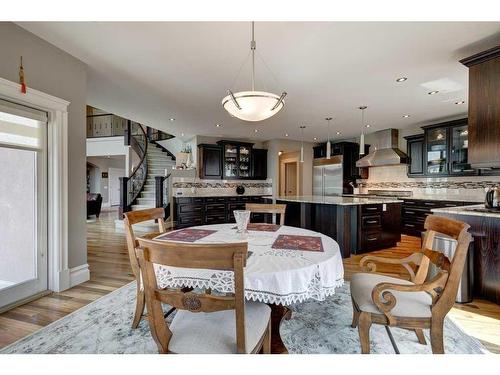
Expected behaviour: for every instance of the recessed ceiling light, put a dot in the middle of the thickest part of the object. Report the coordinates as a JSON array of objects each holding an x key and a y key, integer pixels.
[
  {"x": 367, "y": 125},
  {"x": 433, "y": 92},
  {"x": 182, "y": 134},
  {"x": 286, "y": 134},
  {"x": 338, "y": 133},
  {"x": 460, "y": 102},
  {"x": 217, "y": 125},
  {"x": 315, "y": 138},
  {"x": 255, "y": 131},
  {"x": 172, "y": 119},
  {"x": 406, "y": 116},
  {"x": 401, "y": 79}
]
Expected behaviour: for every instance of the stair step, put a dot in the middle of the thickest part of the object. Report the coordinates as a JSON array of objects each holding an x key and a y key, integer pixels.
[
  {"x": 138, "y": 207},
  {"x": 146, "y": 201}
]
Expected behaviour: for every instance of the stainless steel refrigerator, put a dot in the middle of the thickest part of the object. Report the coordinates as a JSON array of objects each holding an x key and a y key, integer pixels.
[{"x": 328, "y": 176}]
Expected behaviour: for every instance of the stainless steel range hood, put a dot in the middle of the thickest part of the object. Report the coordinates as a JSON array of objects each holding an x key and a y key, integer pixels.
[{"x": 384, "y": 150}]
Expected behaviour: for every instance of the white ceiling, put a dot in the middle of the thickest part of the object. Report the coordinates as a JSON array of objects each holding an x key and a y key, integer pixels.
[{"x": 151, "y": 72}]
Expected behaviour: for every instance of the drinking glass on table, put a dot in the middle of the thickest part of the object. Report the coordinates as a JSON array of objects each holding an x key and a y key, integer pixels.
[{"x": 242, "y": 218}]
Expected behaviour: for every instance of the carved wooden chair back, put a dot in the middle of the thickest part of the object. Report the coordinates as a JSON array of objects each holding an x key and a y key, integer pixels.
[
  {"x": 133, "y": 217},
  {"x": 229, "y": 257},
  {"x": 449, "y": 271},
  {"x": 274, "y": 209}
]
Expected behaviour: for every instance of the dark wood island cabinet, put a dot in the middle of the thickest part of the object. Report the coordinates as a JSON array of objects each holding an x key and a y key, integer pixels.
[{"x": 357, "y": 227}]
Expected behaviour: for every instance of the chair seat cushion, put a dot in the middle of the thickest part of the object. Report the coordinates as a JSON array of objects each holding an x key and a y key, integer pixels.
[
  {"x": 408, "y": 304},
  {"x": 205, "y": 333}
]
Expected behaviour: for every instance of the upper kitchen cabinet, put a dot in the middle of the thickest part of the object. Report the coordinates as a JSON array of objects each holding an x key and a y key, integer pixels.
[
  {"x": 232, "y": 161},
  {"x": 259, "y": 164},
  {"x": 484, "y": 108},
  {"x": 436, "y": 151},
  {"x": 236, "y": 160},
  {"x": 441, "y": 151},
  {"x": 415, "y": 151},
  {"x": 210, "y": 161}
]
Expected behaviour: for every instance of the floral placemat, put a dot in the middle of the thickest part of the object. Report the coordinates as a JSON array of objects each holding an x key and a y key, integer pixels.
[
  {"x": 186, "y": 235},
  {"x": 262, "y": 227},
  {"x": 294, "y": 242}
]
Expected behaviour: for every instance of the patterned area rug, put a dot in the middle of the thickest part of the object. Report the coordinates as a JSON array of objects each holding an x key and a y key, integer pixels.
[{"x": 316, "y": 327}]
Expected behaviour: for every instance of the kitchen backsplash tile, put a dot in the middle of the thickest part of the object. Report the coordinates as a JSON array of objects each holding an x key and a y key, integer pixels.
[
  {"x": 395, "y": 178},
  {"x": 188, "y": 186}
]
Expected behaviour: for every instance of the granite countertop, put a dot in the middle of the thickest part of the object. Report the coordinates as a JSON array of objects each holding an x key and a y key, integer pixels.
[
  {"x": 219, "y": 194},
  {"x": 444, "y": 197},
  {"x": 427, "y": 197},
  {"x": 468, "y": 211},
  {"x": 337, "y": 200}
]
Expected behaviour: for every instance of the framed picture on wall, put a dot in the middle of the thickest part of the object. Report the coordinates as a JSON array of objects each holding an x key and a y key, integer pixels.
[{"x": 104, "y": 175}]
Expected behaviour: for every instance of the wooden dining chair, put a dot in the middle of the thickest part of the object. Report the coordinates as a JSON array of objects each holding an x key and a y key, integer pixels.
[
  {"x": 274, "y": 209},
  {"x": 129, "y": 219},
  {"x": 417, "y": 304},
  {"x": 204, "y": 322}
]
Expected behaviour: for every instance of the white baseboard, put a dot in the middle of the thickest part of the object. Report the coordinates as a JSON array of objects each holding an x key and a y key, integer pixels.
[{"x": 78, "y": 275}]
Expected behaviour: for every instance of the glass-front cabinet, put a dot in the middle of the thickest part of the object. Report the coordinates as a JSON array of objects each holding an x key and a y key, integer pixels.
[
  {"x": 230, "y": 162},
  {"x": 236, "y": 163},
  {"x": 437, "y": 151},
  {"x": 459, "y": 150},
  {"x": 446, "y": 149}
]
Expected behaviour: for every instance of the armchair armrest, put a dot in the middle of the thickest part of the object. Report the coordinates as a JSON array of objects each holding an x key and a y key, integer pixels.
[
  {"x": 368, "y": 262},
  {"x": 385, "y": 300}
]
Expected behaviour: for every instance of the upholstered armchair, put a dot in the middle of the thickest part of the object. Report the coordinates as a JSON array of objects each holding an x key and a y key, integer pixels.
[{"x": 416, "y": 304}]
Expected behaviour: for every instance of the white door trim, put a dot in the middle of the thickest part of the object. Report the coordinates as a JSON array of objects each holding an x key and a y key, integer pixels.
[{"x": 57, "y": 160}]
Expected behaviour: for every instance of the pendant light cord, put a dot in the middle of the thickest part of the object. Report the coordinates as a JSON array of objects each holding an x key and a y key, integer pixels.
[
  {"x": 362, "y": 119},
  {"x": 253, "y": 46}
]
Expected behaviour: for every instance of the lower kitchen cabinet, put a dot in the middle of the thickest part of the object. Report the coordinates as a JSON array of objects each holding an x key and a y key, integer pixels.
[
  {"x": 192, "y": 211},
  {"x": 379, "y": 226},
  {"x": 416, "y": 210},
  {"x": 356, "y": 228}
]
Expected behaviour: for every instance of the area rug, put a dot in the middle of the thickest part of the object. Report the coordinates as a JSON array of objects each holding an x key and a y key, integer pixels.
[{"x": 316, "y": 327}]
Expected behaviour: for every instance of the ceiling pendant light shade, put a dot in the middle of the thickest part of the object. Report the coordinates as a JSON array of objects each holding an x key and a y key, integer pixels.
[
  {"x": 302, "y": 127},
  {"x": 362, "y": 136},
  {"x": 328, "y": 144},
  {"x": 253, "y": 105},
  {"x": 362, "y": 144}
]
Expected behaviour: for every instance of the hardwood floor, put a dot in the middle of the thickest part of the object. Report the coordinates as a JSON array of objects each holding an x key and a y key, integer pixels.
[{"x": 110, "y": 269}]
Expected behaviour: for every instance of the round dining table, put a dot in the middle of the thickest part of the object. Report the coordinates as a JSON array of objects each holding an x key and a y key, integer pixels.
[{"x": 285, "y": 265}]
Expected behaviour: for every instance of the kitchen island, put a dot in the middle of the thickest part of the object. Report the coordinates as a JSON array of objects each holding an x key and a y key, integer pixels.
[
  {"x": 359, "y": 225},
  {"x": 485, "y": 229}
]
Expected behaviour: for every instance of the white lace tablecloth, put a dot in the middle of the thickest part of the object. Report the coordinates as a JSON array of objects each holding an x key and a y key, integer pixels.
[{"x": 271, "y": 275}]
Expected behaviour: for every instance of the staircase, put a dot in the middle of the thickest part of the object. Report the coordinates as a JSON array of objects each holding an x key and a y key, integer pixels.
[{"x": 158, "y": 161}]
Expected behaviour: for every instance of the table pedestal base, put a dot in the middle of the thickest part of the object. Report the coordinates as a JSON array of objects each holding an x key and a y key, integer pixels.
[{"x": 278, "y": 313}]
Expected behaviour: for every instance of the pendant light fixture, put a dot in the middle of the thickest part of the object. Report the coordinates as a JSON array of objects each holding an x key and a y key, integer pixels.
[
  {"x": 253, "y": 105},
  {"x": 328, "y": 143},
  {"x": 362, "y": 136},
  {"x": 302, "y": 127}
]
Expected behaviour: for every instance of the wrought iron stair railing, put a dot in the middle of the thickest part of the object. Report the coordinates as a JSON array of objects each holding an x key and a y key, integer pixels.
[
  {"x": 131, "y": 187},
  {"x": 163, "y": 197}
]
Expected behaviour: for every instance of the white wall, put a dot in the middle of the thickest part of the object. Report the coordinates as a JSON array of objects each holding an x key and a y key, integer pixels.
[
  {"x": 103, "y": 163},
  {"x": 50, "y": 70},
  {"x": 106, "y": 146},
  {"x": 305, "y": 169}
]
